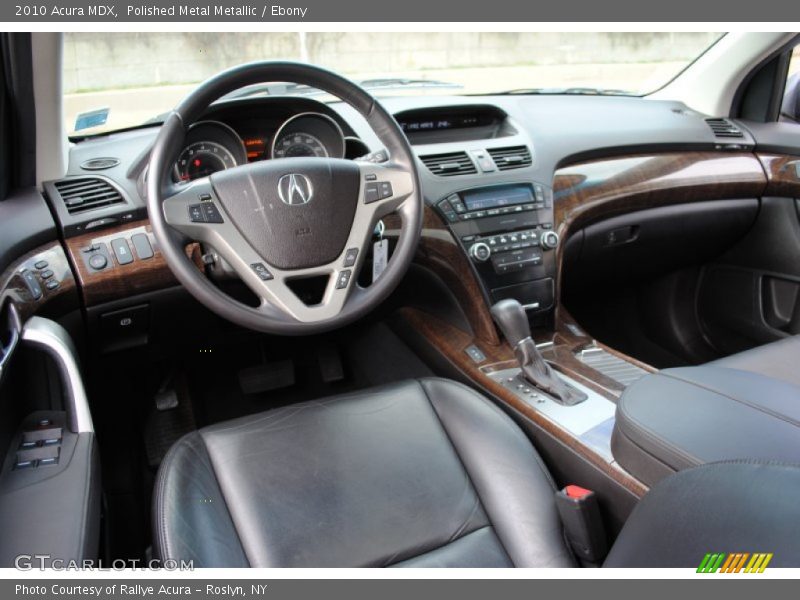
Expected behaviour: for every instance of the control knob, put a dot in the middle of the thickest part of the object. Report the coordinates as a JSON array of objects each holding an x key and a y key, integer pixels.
[
  {"x": 480, "y": 252},
  {"x": 549, "y": 240}
]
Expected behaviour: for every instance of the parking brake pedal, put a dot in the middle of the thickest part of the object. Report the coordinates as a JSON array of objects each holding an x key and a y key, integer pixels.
[{"x": 267, "y": 377}]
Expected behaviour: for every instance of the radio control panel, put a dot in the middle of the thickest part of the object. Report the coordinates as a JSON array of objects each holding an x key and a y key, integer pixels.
[{"x": 507, "y": 232}]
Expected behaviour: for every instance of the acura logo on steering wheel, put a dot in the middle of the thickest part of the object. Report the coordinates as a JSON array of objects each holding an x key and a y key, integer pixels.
[{"x": 295, "y": 188}]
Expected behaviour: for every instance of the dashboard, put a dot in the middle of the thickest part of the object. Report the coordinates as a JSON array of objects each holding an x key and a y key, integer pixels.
[{"x": 491, "y": 170}]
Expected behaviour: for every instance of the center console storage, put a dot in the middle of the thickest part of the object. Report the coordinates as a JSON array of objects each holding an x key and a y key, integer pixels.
[
  {"x": 507, "y": 231},
  {"x": 680, "y": 418}
]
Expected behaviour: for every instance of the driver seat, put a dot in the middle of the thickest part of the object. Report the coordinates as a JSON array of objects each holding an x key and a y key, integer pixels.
[
  {"x": 429, "y": 473},
  {"x": 422, "y": 473}
]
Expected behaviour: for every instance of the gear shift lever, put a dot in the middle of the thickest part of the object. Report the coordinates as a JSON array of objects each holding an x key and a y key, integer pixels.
[{"x": 513, "y": 322}]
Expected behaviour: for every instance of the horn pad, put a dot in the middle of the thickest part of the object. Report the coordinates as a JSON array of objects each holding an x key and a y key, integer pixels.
[{"x": 295, "y": 212}]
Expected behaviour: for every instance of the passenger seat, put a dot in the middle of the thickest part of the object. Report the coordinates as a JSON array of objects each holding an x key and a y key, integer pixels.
[{"x": 779, "y": 360}]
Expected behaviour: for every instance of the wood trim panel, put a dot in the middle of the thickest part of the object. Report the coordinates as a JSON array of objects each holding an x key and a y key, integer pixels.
[
  {"x": 597, "y": 189},
  {"x": 13, "y": 287},
  {"x": 439, "y": 251},
  {"x": 120, "y": 281},
  {"x": 783, "y": 175},
  {"x": 452, "y": 342},
  {"x": 591, "y": 191}
]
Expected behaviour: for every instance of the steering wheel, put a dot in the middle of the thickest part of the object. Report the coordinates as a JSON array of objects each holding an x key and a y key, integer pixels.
[{"x": 276, "y": 221}]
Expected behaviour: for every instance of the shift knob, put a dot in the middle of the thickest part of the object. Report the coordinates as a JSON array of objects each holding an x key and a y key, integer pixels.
[{"x": 512, "y": 320}]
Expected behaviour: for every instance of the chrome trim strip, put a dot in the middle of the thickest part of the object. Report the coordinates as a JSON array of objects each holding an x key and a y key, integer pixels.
[{"x": 54, "y": 339}]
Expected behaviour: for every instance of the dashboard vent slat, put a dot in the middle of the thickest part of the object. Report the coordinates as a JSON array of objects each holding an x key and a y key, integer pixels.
[
  {"x": 87, "y": 193},
  {"x": 515, "y": 157},
  {"x": 447, "y": 165},
  {"x": 723, "y": 128}
]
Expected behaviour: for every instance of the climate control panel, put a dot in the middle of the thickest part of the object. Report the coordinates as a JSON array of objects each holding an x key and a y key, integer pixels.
[{"x": 507, "y": 232}]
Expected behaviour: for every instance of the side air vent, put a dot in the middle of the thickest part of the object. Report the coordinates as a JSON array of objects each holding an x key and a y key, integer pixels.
[
  {"x": 723, "y": 128},
  {"x": 82, "y": 194},
  {"x": 515, "y": 157},
  {"x": 447, "y": 165},
  {"x": 99, "y": 164}
]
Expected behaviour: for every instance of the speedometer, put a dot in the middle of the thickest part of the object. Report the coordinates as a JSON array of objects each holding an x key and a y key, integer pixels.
[
  {"x": 201, "y": 159},
  {"x": 298, "y": 144}
]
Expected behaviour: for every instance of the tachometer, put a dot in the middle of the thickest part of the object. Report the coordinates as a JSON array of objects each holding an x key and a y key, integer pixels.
[
  {"x": 201, "y": 159},
  {"x": 298, "y": 144}
]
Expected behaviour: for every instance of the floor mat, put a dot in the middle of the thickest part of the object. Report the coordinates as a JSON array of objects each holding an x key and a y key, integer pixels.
[{"x": 370, "y": 356}]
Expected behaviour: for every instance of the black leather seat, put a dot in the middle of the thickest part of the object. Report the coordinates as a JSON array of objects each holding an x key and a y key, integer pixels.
[
  {"x": 417, "y": 474},
  {"x": 778, "y": 360}
]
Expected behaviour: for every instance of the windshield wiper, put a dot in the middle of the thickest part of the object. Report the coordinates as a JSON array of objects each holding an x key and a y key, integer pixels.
[{"x": 575, "y": 91}]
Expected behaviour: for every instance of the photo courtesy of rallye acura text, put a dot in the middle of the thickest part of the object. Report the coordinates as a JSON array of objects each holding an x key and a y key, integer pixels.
[
  {"x": 139, "y": 590},
  {"x": 400, "y": 299}
]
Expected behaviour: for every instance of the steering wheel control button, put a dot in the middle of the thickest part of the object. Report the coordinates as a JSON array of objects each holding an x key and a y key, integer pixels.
[
  {"x": 343, "y": 279},
  {"x": 371, "y": 193},
  {"x": 41, "y": 265},
  {"x": 262, "y": 271},
  {"x": 211, "y": 213},
  {"x": 141, "y": 243},
  {"x": 122, "y": 251},
  {"x": 46, "y": 274},
  {"x": 51, "y": 285},
  {"x": 371, "y": 177},
  {"x": 196, "y": 214},
  {"x": 385, "y": 189},
  {"x": 350, "y": 257},
  {"x": 98, "y": 262},
  {"x": 204, "y": 197}
]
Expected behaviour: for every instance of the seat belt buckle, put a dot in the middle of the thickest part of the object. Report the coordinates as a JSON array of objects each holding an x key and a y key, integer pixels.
[{"x": 583, "y": 524}]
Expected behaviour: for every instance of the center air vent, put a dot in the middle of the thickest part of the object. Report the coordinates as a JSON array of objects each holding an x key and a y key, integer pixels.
[
  {"x": 723, "y": 128},
  {"x": 82, "y": 194},
  {"x": 515, "y": 157},
  {"x": 447, "y": 165}
]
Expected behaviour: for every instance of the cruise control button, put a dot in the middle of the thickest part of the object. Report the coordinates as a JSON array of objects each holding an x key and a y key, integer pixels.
[
  {"x": 343, "y": 279},
  {"x": 350, "y": 257},
  {"x": 262, "y": 271},
  {"x": 385, "y": 189},
  {"x": 41, "y": 264},
  {"x": 122, "y": 251},
  {"x": 46, "y": 274},
  {"x": 196, "y": 213},
  {"x": 51, "y": 285},
  {"x": 211, "y": 213}
]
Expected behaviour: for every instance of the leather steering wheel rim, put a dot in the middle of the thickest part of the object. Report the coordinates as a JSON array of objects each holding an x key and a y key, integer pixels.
[{"x": 277, "y": 314}]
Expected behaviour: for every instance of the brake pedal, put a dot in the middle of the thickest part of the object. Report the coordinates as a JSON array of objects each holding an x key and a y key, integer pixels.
[
  {"x": 267, "y": 377},
  {"x": 330, "y": 363}
]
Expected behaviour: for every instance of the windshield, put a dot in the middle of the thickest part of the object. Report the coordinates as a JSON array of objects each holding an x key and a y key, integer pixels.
[{"x": 118, "y": 80}]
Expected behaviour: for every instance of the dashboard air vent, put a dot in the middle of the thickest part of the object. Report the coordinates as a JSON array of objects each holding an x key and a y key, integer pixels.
[
  {"x": 99, "y": 164},
  {"x": 515, "y": 157},
  {"x": 447, "y": 165},
  {"x": 82, "y": 194},
  {"x": 723, "y": 128}
]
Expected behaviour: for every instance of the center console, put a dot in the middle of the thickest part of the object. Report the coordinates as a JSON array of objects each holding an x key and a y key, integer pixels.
[{"x": 507, "y": 231}]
